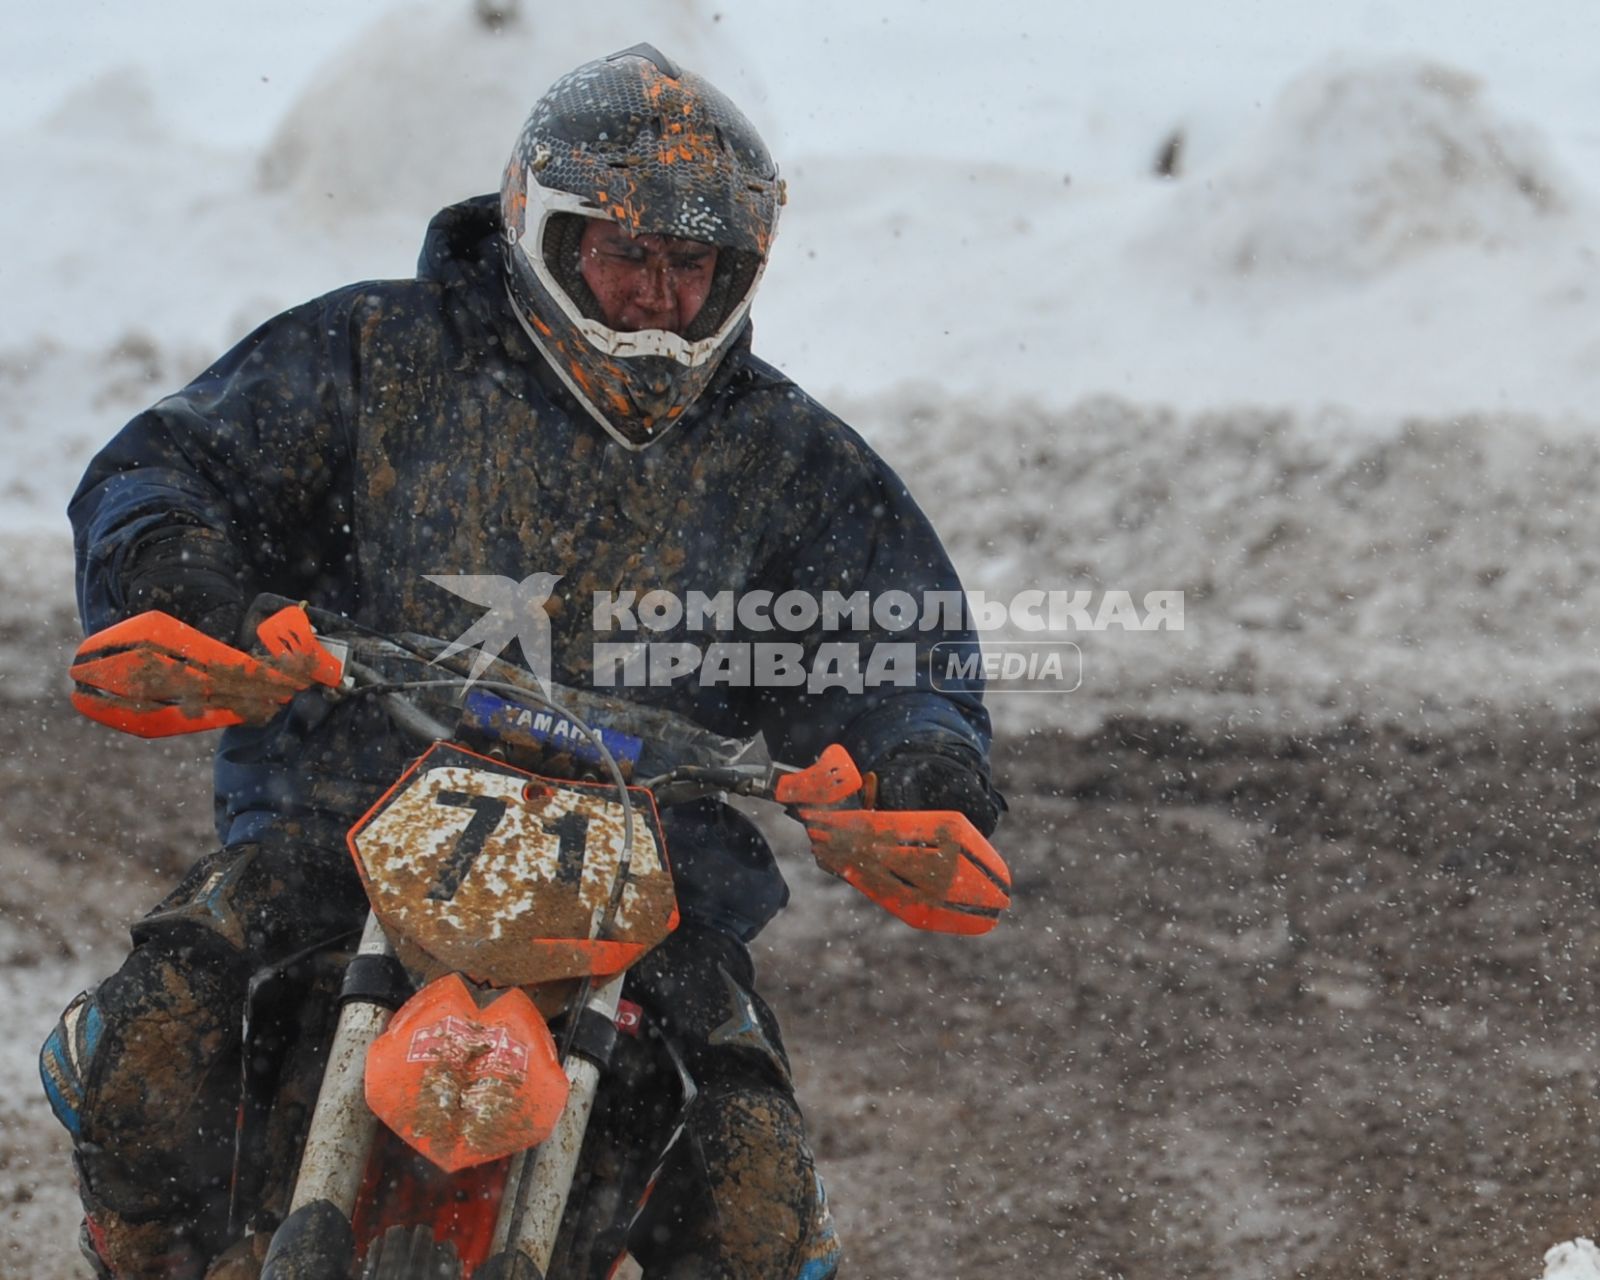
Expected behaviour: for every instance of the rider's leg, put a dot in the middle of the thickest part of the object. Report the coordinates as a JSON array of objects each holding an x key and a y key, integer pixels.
[
  {"x": 741, "y": 1197},
  {"x": 144, "y": 1069}
]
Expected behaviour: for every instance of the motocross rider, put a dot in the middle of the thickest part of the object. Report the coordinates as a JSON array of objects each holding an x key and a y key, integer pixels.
[{"x": 566, "y": 387}]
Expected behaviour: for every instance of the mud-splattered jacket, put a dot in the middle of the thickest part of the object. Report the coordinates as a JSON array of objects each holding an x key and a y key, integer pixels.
[{"x": 398, "y": 429}]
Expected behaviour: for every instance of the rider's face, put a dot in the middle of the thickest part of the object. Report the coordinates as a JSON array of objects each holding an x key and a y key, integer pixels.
[{"x": 645, "y": 282}]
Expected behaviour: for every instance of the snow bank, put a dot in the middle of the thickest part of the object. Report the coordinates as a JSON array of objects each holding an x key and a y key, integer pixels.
[
  {"x": 1362, "y": 166},
  {"x": 119, "y": 107},
  {"x": 1385, "y": 237},
  {"x": 142, "y": 242},
  {"x": 57, "y": 406},
  {"x": 1377, "y": 560},
  {"x": 1411, "y": 250},
  {"x": 132, "y": 223},
  {"x": 422, "y": 109}
]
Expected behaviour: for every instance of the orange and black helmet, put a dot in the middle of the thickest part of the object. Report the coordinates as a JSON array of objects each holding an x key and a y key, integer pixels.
[{"x": 635, "y": 139}]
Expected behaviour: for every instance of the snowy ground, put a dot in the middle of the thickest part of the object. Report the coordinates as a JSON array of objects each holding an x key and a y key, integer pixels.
[{"x": 1333, "y": 379}]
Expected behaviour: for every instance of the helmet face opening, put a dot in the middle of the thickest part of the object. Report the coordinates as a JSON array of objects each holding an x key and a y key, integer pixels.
[{"x": 622, "y": 141}]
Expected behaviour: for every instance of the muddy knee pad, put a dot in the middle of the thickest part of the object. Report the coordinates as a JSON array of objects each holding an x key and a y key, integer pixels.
[
  {"x": 152, "y": 1052},
  {"x": 739, "y": 1196},
  {"x": 762, "y": 1179},
  {"x": 142, "y": 1071}
]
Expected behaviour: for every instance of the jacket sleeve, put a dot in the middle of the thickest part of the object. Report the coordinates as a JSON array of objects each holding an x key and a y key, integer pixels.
[
  {"x": 870, "y": 540},
  {"x": 256, "y": 449}
]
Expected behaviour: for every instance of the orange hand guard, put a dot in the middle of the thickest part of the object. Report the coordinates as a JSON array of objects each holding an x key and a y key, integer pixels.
[
  {"x": 932, "y": 869},
  {"x": 154, "y": 676}
]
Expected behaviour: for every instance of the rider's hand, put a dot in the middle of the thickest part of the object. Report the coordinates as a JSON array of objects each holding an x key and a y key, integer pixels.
[
  {"x": 189, "y": 572},
  {"x": 946, "y": 778}
]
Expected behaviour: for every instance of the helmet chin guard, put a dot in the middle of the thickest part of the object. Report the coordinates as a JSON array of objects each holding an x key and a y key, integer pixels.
[{"x": 635, "y": 140}]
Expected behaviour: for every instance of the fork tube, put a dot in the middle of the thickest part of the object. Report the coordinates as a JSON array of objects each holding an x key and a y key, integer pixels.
[
  {"x": 342, "y": 1126},
  {"x": 530, "y": 1218}
]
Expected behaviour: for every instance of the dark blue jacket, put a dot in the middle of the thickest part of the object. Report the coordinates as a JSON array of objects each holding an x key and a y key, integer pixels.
[{"x": 395, "y": 429}]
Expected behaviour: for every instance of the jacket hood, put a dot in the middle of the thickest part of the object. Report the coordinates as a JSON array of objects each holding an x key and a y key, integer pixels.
[
  {"x": 462, "y": 243},
  {"x": 461, "y": 251}
]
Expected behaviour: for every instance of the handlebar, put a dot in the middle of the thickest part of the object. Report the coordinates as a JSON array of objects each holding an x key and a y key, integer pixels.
[{"x": 153, "y": 676}]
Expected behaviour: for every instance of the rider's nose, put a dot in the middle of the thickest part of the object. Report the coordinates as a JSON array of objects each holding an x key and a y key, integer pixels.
[{"x": 653, "y": 292}]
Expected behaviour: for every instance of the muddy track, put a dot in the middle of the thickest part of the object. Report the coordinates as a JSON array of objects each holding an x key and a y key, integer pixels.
[
  {"x": 1320, "y": 1006},
  {"x": 1266, "y": 1006}
]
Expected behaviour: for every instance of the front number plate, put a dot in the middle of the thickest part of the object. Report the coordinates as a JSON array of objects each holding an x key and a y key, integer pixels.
[{"x": 509, "y": 877}]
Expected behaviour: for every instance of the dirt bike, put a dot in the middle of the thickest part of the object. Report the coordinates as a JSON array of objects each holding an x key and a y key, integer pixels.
[{"x": 515, "y": 871}]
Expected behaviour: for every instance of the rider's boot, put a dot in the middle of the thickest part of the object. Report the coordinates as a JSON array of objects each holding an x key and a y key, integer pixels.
[
  {"x": 739, "y": 1198},
  {"x": 117, "y": 1249}
]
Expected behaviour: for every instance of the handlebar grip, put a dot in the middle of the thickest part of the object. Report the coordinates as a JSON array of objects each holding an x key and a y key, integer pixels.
[
  {"x": 268, "y": 603},
  {"x": 261, "y": 608}
]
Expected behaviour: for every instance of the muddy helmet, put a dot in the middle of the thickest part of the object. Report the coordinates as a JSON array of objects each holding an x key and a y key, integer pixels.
[{"x": 635, "y": 139}]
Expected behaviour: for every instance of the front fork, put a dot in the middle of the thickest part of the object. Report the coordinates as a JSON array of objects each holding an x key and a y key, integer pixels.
[
  {"x": 541, "y": 1179},
  {"x": 316, "y": 1239}
]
